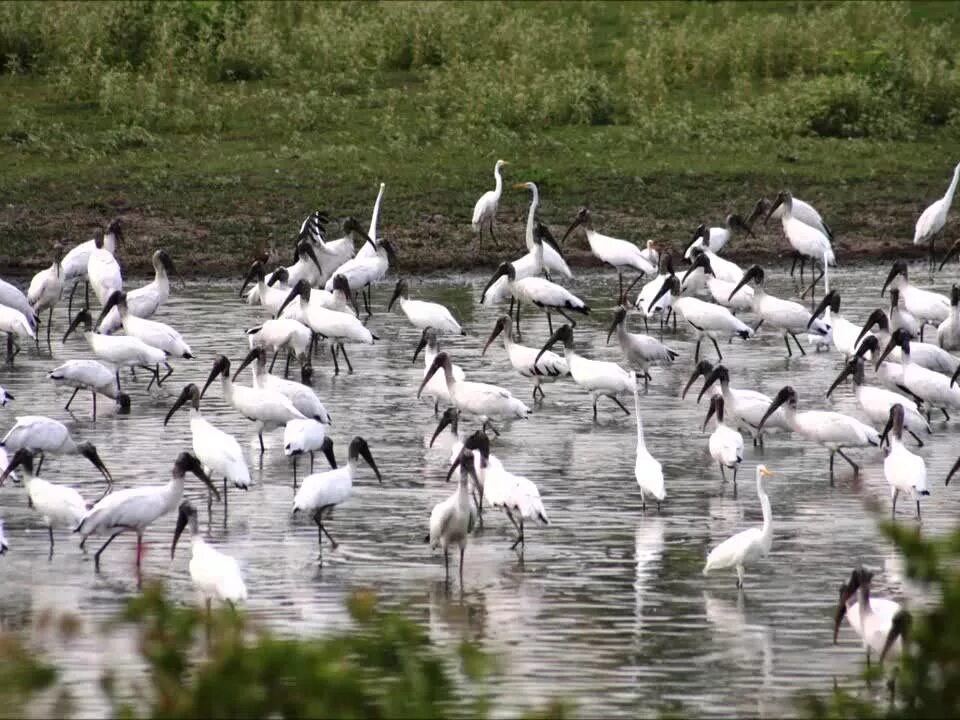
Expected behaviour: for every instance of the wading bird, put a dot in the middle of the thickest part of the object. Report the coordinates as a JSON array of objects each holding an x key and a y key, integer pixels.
[
  {"x": 905, "y": 472},
  {"x": 301, "y": 396},
  {"x": 926, "y": 355},
  {"x": 75, "y": 262},
  {"x": 925, "y": 306},
  {"x": 640, "y": 351},
  {"x": 552, "y": 261},
  {"x": 806, "y": 240},
  {"x": 90, "y": 375},
  {"x": 307, "y": 436},
  {"x": 103, "y": 270},
  {"x": 802, "y": 211},
  {"x": 747, "y": 407},
  {"x": 879, "y": 622},
  {"x": 845, "y": 335},
  {"x": 715, "y": 239},
  {"x": 723, "y": 289},
  {"x": 215, "y": 575},
  {"x": 145, "y": 301},
  {"x": 648, "y": 471},
  {"x": 119, "y": 350},
  {"x": 523, "y": 359},
  {"x": 948, "y": 333},
  {"x": 485, "y": 211},
  {"x": 423, "y": 314},
  {"x": 46, "y": 435},
  {"x": 363, "y": 272},
  {"x": 931, "y": 222},
  {"x": 929, "y": 387},
  {"x": 454, "y": 518},
  {"x": 725, "y": 443},
  {"x": 15, "y": 324},
  {"x": 436, "y": 387},
  {"x": 46, "y": 288}
]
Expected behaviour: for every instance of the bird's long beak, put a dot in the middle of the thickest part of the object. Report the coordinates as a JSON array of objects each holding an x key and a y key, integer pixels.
[
  {"x": 307, "y": 248},
  {"x": 573, "y": 226},
  {"x": 951, "y": 253},
  {"x": 73, "y": 326},
  {"x": 773, "y": 208},
  {"x": 841, "y": 610},
  {"x": 886, "y": 351},
  {"x": 743, "y": 281},
  {"x": 436, "y": 365},
  {"x": 757, "y": 212},
  {"x": 894, "y": 271},
  {"x": 617, "y": 319},
  {"x": 15, "y": 463},
  {"x": 708, "y": 381},
  {"x": 216, "y": 371},
  {"x": 844, "y": 374},
  {"x": 420, "y": 345},
  {"x": 777, "y": 402},
  {"x": 94, "y": 458},
  {"x": 900, "y": 626},
  {"x": 744, "y": 227},
  {"x": 449, "y": 417},
  {"x": 454, "y": 466},
  {"x": 198, "y": 471},
  {"x": 184, "y": 395},
  {"x": 664, "y": 289},
  {"x": 294, "y": 293},
  {"x": 953, "y": 470},
  {"x": 182, "y": 519},
  {"x": 824, "y": 303},
  {"x": 710, "y": 412},
  {"x": 519, "y": 186},
  {"x": 871, "y": 321},
  {"x": 953, "y": 378},
  {"x": 550, "y": 343},
  {"x": 365, "y": 452},
  {"x": 327, "y": 449},
  {"x": 397, "y": 291},
  {"x": 500, "y": 272},
  {"x": 697, "y": 372},
  {"x": 249, "y": 278},
  {"x": 251, "y": 356},
  {"x": 497, "y": 329},
  {"x": 886, "y": 429},
  {"x": 111, "y": 303}
]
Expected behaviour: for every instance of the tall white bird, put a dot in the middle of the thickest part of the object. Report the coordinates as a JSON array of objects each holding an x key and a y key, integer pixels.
[
  {"x": 423, "y": 314},
  {"x": 42, "y": 434},
  {"x": 219, "y": 452},
  {"x": 599, "y": 378},
  {"x": 337, "y": 327},
  {"x": 929, "y": 387},
  {"x": 931, "y": 222},
  {"x": 523, "y": 359},
  {"x": 485, "y": 210},
  {"x": 802, "y": 211},
  {"x": 481, "y": 400},
  {"x": 215, "y": 575},
  {"x": 136, "y": 509},
  {"x": 453, "y": 519},
  {"x": 640, "y": 351},
  {"x": 925, "y": 306},
  {"x": 905, "y": 472},
  {"x": 806, "y": 240},
  {"x": 876, "y": 402},
  {"x": 715, "y": 239},
  {"x": 747, "y": 546},
  {"x": 832, "y": 430},
  {"x": 103, "y": 270},
  {"x": 436, "y": 387},
  {"x": 746, "y": 407},
  {"x": 58, "y": 505},
  {"x": 648, "y": 471},
  {"x": 75, "y": 262},
  {"x": 786, "y": 316},
  {"x": 948, "y": 333},
  {"x": 45, "y": 289},
  {"x": 708, "y": 320},
  {"x": 879, "y": 622},
  {"x": 320, "y": 493},
  {"x": 301, "y": 396},
  {"x": 143, "y": 302},
  {"x": 90, "y": 375},
  {"x": 16, "y": 325},
  {"x": 552, "y": 261},
  {"x": 307, "y": 436},
  {"x": 268, "y": 409},
  {"x": 725, "y": 443},
  {"x": 621, "y": 254}
]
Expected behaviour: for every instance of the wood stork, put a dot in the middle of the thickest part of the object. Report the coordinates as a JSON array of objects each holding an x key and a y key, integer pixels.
[
  {"x": 307, "y": 436},
  {"x": 219, "y": 452},
  {"x": 143, "y": 302},
  {"x": 879, "y": 622},
  {"x": 302, "y": 396},
  {"x": 876, "y": 402},
  {"x": 340, "y": 299},
  {"x": 58, "y": 505},
  {"x": 268, "y": 409},
  {"x": 153, "y": 333},
  {"x": 846, "y": 335},
  {"x": 715, "y": 239},
  {"x": 12, "y": 297},
  {"x": 270, "y": 293},
  {"x": 76, "y": 261},
  {"x": 650, "y": 289},
  {"x": 15, "y": 324},
  {"x": 785, "y": 315},
  {"x": 453, "y": 519},
  {"x": 485, "y": 211},
  {"x": 932, "y": 388},
  {"x": 42, "y": 435},
  {"x": 721, "y": 289},
  {"x": 648, "y": 471},
  {"x": 103, "y": 270},
  {"x": 725, "y": 443},
  {"x": 926, "y": 355},
  {"x": 363, "y": 272},
  {"x": 337, "y": 327},
  {"x": 802, "y": 211},
  {"x": 925, "y": 306},
  {"x": 641, "y": 352},
  {"x": 119, "y": 350},
  {"x": 529, "y": 265},
  {"x": 436, "y": 387},
  {"x": 320, "y": 493},
  {"x": 599, "y": 378},
  {"x": 306, "y": 265},
  {"x": 278, "y": 333},
  {"x": 900, "y": 317},
  {"x": 552, "y": 261},
  {"x": 423, "y": 314},
  {"x": 136, "y": 509},
  {"x": 948, "y": 333},
  {"x": 707, "y": 319},
  {"x": 90, "y": 375},
  {"x": 832, "y": 430},
  {"x": 806, "y": 240},
  {"x": 905, "y": 472},
  {"x": 481, "y": 400},
  {"x": 621, "y": 254},
  {"x": 45, "y": 290},
  {"x": 523, "y": 359},
  {"x": 746, "y": 407},
  {"x": 747, "y": 546},
  {"x": 931, "y": 222},
  {"x": 215, "y": 575}
]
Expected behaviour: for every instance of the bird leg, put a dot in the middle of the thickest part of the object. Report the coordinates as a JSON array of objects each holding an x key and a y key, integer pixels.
[
  {"x": 336, "y": 365},
  {"x": 696, "y": 352},
  {"x": 739, "y": 576},
  {"x": 40, "y": 464},
  {"x": 343, "y": 350},
  {"x": 799, "y": 346},
  {"x": 549, "y": 322},
  {"x": 275, "y": 353},
  {"x": 573, "y": 323},
  {"x": 446, "y": 565},
  {"x": 735, "y": 468},
  {"x": 169, "y": 372},
  {"x": 719, "y": 354},
  {"x": 617, "y": 401},
  {"x": 856, "y": 468},
  {"x": 893, "y": 505},
  {"x": 50, "y": 532},
  {"x": 946, "y": 415},
  {"x": 786, "y": 340},
  {"x": 918, "y": 512},
  {"x": 643, "y": 500},
  {"x": 831, "y": 468},
  {"x": 488, "y": 424},
  {"x": 366, "y": 302},
  {"x": 723, "y": 473},
  {"x": 520, "y": 540},
  {"x": 919, "y": 441},
  {"x": 595, "y": 408},
  {"x": 94, "y": 394},
  {"x": 67, "y": 406},
  {"x": 793, "y": 266},
  {"x": 96, "y": 557},
  {"x": 294, "y": 473},
  {"x": 262, "y": 448},
  {"x": 462, "y": 548},
  {"x": 620, "y": 280}
]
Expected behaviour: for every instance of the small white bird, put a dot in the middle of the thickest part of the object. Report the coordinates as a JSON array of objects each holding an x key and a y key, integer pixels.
[
  {"x": 307, "y": 436},
  {"x": 640, "y": 351},
  {"x": 423, "y": 314},
  {"x": 747, "y": 546},
  {"x": 46, "y": 288},
  {"x": 453, "y": 519},
  {"x": 523, "y": 359},
  {"x": 485, "y": 211},
  {"x": 725, "y": 443},
  {"x": 932, "y": 220},
  {"x": 320, "y": 493},
  {"x": 90, "y": 375},
  {"x": 648, "y": 471},
  {"x": 879, "y": 622},
  {"x": 806, "y": 232},
  {"x": 215, "y": 575},
  {"x": 905, "y": 472}
]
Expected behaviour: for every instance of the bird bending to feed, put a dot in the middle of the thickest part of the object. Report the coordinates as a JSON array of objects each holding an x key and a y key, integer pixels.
[
  {"x": 648, "y": 471},
  {"x": 931, "y": 222},
  {"x": 215, "y": 575},
  {"x": 485, "y": 211},
  {"x": 45, "y": 290},
  {"x": 453, "y": 519},
  {"x": 600, "y": 378},
  {"x": 880, "y": 623},
  {"x": 135, "y": 509},
  {"x": 725, "y": 443},
  {"x": 15, "y": 324},
  {"x": 301, "y": 396},
  {"x": 931, "y": 388},
  {"x": 90, "y": 375},
  {"x": 46, "y": 435},
  {"x": 905, "y": 472},
  {"x": 747, "y": 546},
  {"x": 640, "y": 351},
  {"x": 307, "y": 436},
  {"x": 806, "y": 231},
  {"x": 320, "y": 493},
  {"x": 423, "y": 314},
  {"x": 524, "y": 359}
]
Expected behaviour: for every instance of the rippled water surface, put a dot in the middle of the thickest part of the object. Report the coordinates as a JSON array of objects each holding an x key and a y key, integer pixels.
[{"x": 606, "y": 605}]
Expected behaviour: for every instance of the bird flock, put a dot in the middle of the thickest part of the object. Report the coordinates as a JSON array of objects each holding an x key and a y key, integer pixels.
[{"x": 299, "y": 308}]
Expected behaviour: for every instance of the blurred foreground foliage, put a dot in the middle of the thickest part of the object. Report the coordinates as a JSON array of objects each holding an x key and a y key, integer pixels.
[{"x": 225, "y": 665}]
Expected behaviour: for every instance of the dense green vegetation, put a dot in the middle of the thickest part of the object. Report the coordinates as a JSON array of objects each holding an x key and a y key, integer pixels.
[{"x": 231, "y": 120}]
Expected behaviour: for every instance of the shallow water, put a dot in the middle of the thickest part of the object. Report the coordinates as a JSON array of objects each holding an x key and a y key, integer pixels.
[{"x": 607, "y": 605}]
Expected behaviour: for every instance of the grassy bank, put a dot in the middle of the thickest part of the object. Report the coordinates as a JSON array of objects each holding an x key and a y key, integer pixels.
[{"x": 214, "y": 128}]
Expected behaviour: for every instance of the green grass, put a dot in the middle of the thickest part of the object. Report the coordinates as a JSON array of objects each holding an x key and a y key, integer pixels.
[{"x": 213, "y": 126}]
